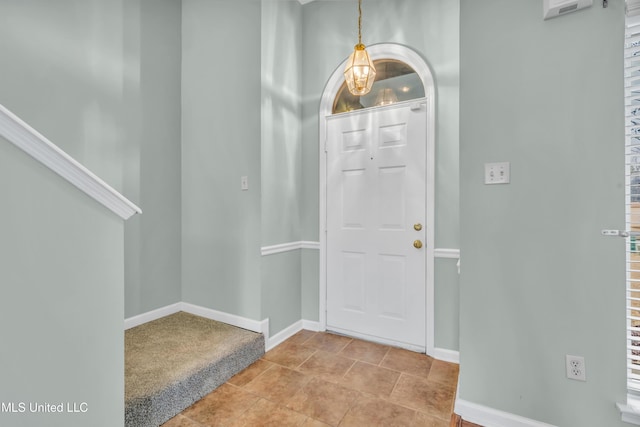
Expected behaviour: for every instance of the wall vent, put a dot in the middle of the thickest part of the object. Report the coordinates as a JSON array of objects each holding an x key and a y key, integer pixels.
[{"x": 553, "y": 8}]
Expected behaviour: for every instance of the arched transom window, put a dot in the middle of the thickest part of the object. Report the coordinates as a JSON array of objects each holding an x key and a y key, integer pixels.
[{"x": 395, "y": 82}]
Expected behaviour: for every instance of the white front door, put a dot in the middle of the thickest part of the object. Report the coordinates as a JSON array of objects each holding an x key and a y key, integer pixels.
[{"x": 376, "y": 208}]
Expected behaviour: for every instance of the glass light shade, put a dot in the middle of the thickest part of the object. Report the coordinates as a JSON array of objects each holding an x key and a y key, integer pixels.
[{"x": 359, "y": 72}]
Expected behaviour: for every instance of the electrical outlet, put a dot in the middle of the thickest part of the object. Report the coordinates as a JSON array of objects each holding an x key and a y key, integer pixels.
[{"x": 575, "y": 368}]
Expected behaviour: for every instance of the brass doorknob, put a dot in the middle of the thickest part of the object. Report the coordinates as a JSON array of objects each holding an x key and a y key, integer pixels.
[
  {"x": 417, "y": 244},
  {"x": 417, "y": 227}
]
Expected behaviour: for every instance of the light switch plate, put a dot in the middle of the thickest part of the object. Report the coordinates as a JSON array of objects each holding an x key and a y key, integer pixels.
[
  {"x": 497, "y": 173},
  {"x": 244, "y": 183}
]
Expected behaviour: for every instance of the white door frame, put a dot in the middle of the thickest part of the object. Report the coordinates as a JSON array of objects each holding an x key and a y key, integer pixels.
[{"x": 415, "y": 61}]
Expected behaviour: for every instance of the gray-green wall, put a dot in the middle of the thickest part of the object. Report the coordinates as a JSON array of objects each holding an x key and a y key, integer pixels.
[
  {"x": 241, "y": 117},
  {"x": 62, "y": 280},
  {"x": 258, "y": 116},
  {"x": 151, "y": 158},
  {"x": 63, "y": 73},
  {"x": 281, "y": 155},
  {"x": 221, "y": 141},
  {"x": 432, "y": 29},
  {"x": 101, "y": 79},
  {"x": 538, "y": 280}
]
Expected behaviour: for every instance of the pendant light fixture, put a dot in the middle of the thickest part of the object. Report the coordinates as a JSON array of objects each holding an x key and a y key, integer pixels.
[{"x": 359, "y": 74}]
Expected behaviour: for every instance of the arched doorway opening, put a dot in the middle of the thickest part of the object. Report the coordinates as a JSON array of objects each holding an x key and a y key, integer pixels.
[{"x": 372, "y": 128}]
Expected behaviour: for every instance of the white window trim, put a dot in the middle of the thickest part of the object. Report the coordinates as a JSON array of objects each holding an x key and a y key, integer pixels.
[{"x": 630, "y": 411}]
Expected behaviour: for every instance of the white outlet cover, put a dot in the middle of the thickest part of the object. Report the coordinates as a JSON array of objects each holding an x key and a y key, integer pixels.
[
  {"x": 576, "y": 369},
  {"x": 497, "y": 173}
]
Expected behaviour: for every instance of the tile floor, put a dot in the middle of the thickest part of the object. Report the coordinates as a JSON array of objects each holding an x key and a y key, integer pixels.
[{"x": 320, "y": 379}]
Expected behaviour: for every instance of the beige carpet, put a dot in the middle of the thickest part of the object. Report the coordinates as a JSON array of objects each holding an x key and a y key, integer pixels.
[{"x": 174, "y": 361}]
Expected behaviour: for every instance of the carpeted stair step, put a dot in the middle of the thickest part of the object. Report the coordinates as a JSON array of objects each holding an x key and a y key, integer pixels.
[{"x": 172, "y": 362}]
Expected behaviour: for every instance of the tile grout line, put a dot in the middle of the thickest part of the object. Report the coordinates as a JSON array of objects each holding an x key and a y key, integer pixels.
[
  {"x": 353, "y": 405},
  {"x": 395, "y": 384},
  {"x": 259, "y": 398},
  {"x": 340, "y": 382},
  {"x": 384, "y": 357},
  {"x": 305, "y": 360}
]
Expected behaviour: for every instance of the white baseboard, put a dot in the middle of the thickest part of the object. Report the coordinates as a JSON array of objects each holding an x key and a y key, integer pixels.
[
  {"x": 284, "y": 334},
  {"x": 311, "y": 325},
  {"x": 290, "y": 331},
  {"x": 230, "y": 319},
  {"x": 486, "y": 416},
  {"x": 149, "y": 316},
  {"x": 445, "y": 355}
]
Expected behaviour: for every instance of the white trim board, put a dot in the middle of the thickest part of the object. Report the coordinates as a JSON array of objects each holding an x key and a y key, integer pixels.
[
  {"x": 230, "y": 319},
  {"x": 446, "y": 253},
  {"x": 29, "y": 140},
  {"x": 252, "y": 325},
  {"x": 289, "y": 246},
  {"x": 283, "y": 335},
  {"x": 149, "y": 316},
  {"x": 290, "y": 331},
  {"x": 451, "y": 356},
  {"x": 486, "y": 416},
  {"x": 628, "y": 413}
]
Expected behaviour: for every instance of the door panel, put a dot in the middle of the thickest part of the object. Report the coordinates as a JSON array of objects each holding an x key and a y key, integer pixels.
[{"x": 375, "y": 194}]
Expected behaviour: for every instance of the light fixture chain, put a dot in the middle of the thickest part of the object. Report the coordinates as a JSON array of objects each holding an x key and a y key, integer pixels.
[
  {"x": 359, "y": 21},
  {"x": 359, "y": 73}
]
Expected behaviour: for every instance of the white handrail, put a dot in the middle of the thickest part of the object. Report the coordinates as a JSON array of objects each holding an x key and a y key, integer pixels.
[{"x": 16, "y": 131}]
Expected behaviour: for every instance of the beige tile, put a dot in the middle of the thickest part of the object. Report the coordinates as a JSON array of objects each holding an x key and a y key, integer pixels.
[
  {"x": 268, "y": 414},
  {"x": 310, "y": 422},
  {"x": 370, "y": 412},
  {"x": 289, "y": 355},
  {"x": 277, "y": 383},
  {"x": 365, "y": 351},
  {"x": 318, "y": 379},
  {"x": 324, "y": 401},
  {"x": 244, "y": 377},
  {"x": 424, "y": 420},
  {"x": 408, "y": 361},
  {"x": 300, "y": 337},
  {"x": 424, "y": 396},
  {"x": 326, "y": 365},
  {"x": 444, "y": 373},
  {"x": 328, "y": 342},
  {"x": 181, "y": 421},
  {"x": 370, "y": 379},
  {"x": 222, "y": 405}
]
